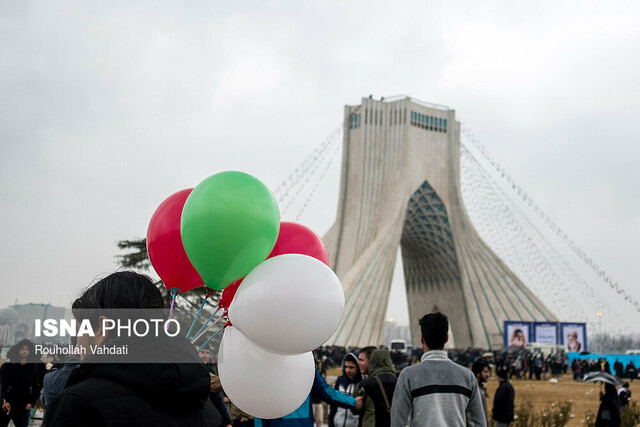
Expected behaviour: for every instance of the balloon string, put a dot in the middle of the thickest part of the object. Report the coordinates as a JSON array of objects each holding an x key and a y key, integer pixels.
[
  {"x": 196, "y": 337},
  {"x": 174, "y": 292},
  {"x": 198, "y": 313},
  {"x": 205, "y": 325},
  {"x": 212, "y": 336}
]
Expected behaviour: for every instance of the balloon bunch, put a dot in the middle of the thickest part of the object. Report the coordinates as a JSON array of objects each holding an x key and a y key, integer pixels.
[
  {"x": 278, "y": 292},
  {"x": 213, "y": 234}
]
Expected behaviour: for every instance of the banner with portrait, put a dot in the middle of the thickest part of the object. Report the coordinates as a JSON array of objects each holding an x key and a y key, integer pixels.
[
  {"x": 517, "y": 333},
  {"x": 574, "y": 337},
  {"x": 545, "y": 333}
]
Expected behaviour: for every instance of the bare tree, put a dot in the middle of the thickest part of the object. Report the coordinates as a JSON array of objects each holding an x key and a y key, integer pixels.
[
  {"x": 136, "y": 257},
  {"x": 186, "y": 305}
]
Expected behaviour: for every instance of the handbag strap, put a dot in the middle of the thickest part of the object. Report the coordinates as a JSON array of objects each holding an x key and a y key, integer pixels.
[{"x": 384, "y": 393}]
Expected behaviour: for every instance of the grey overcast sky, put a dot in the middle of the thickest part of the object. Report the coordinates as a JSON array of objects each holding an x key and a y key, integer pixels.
[{"x": 107, "y": 108}]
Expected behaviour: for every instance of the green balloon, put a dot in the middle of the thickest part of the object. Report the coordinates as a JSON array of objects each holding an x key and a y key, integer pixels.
[{"x": 230, "y": 223}]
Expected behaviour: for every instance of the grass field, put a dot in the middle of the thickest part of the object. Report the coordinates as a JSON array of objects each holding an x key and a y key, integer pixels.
[{"x": 545, "y": 395}]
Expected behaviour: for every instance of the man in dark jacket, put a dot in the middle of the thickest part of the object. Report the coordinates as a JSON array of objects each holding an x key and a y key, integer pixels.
[
  {"x": 363, "y": 360},
  {"x": 216, "y": 396},
  {"x": 630, "y": 371},
  {"x": 100, "y": 392},
  {"x": 503, "y": 401},
  {"x": 377, "y": 391},
  {"x": 480, "y": 369},
  {"x": 21, "y": 379},
  {"x": 618, "y": 368}
]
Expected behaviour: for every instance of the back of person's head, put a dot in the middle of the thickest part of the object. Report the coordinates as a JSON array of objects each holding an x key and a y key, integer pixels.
[
  {"x": 367, "y": 351},
  {"x": 380, "y": 363},
  {"x": 625, "y": 384},
  {"x": 121, "y": 290},
  {"x": 434, "y": 328},
  {"x": 502, "y": 373},
  {"x": 478, "y": 366}
]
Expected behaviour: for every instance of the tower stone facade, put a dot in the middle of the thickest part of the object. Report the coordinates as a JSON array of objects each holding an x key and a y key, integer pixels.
[{"x": 400, "y": 186}]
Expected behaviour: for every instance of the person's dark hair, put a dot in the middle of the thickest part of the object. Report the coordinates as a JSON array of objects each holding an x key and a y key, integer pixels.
[
  {"x": 14, "y": 352},
  {"x": 502, "y": 373},
  {"x": 478, "y": 366},
  {"x": 350, "y": 357},
  {"x": 367, "y": 351},
  {"x": 625, "y": 384},
  {"x": 124, "y": 289},
  {"x": 434, "y": 328}
]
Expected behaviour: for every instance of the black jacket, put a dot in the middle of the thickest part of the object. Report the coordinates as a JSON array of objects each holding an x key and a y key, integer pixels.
[
  {"x": 21, "y": 384},
  {"x": 372, "y": 391},
  {"x": 137, "y": 394},
  {"x": 217, "y": 400},
  {"x": 503, "y": 403},
  {"x": 609, "y": 411},
  {"x": 380, "y": 366}
]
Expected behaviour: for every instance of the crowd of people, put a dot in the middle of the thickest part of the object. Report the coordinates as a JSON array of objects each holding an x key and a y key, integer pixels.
[
  {"x": 376, "y": 388},
  {"x": 580, "y": 367}
]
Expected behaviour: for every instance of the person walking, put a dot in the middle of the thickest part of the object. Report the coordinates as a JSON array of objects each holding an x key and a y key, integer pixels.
[
  {"x": 437, "y": 391},
  {"x": 609, "y": 410},
  {"x": 21, "y": 380},
  {"x": 503, "y": 401}
]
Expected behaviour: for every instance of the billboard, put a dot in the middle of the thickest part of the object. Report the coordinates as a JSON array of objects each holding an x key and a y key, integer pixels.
[
  {"x": 574, "y": 337},
  {"x": 545, "y": 332},
  {"x": 517, "y": 333}
]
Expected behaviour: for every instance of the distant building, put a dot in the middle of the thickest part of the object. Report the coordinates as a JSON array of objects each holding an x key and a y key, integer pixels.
[
  {"x": 393, "y": 331},
  {"x": 17, "y": 322}
]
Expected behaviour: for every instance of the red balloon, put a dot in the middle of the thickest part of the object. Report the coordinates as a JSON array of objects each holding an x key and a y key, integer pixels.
[
  {"x": 228, "y": 293},
  {"x": 164, "y": 245},
  {"x": 293, "y": 239},
  {"x": 297, "y": 239}
]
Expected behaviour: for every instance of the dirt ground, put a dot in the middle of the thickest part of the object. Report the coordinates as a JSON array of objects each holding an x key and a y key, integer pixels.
[
  {"x": 543, "y": 394},
  {"x": 584, "y": 396}
]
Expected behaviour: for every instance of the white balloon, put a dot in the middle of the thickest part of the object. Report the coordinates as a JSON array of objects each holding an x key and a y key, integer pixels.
[
  {"x": 261, "y": 383},
  {"x": 288, "y": 304}
]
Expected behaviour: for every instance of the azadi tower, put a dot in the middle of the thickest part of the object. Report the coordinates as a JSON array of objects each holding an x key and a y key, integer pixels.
[{"x": 400, "y": 186}]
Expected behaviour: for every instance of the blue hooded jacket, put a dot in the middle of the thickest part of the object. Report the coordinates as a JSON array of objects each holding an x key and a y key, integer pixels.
[{"x": 303, "y": 416}]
